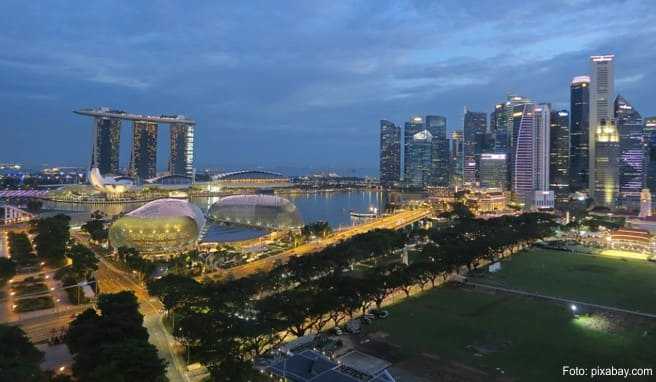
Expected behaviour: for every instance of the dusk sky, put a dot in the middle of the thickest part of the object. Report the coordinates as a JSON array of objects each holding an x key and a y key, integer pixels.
[{"x": 298, "y": 84}]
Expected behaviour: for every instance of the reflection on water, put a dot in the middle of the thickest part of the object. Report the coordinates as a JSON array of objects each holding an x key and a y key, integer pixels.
[{"x": 332, "y": 207}]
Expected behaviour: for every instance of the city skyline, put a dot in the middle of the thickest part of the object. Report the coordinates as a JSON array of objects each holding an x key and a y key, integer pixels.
[{"x": 295, "y": 108}]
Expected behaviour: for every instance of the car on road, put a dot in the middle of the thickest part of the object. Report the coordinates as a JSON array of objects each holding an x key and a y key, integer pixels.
[{"x": 337, "y": 331}]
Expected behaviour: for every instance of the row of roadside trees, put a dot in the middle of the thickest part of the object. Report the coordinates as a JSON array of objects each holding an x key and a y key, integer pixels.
[{"x": 226, "y": 324}]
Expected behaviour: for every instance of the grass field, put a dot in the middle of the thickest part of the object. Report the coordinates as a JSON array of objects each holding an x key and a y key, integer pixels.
[
  {"x": 529, "y": 340},
  {"x": 628, "y": 284}
]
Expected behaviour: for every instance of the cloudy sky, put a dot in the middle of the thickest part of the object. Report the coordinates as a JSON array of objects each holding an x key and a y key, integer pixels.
[{"x": 298, "y": 83}]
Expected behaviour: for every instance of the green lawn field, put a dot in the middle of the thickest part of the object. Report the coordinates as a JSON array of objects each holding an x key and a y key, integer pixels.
[
  {"x": 529, "y": 340},
  {"x": 628, "y": 284}
]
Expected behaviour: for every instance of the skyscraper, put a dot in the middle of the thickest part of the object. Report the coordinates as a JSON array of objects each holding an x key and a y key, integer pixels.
[
  {"x": 475, "y": 127},
  {"x": 418, "y": 159},
  {"x": 390, "y": 153},
  {"x": 559, "y": 155},
  {"x": 436, "y": 125},
  {"x": 143, "y": 161},
  {"x": 456, "y": 159},
  {"x": 530, "y": 178},
  {"x": 650, "y": 153},
  {"x": 493, "y": 170},
  {"x": 602, "y": 89},
  {"x": 606, "y": 166},
  {"x": 412, "y": 127},
  {"x": 181, "y": 159},
  {"x": 106, "y": 144},
  {"x": 632, "y": 155},
  {"x": 579, "y": 132}
]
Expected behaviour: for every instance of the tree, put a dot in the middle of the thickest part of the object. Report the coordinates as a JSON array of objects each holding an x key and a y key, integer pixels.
[
  {"x": 34, "y": 206},
  {"x": 84, "y": 261},
  {"x": 95, "y": 227},
  {"x": 52, "y": 236},
  {"x": 7, "y": 270},
  {"x": 19, "y": 358},
  {"x": 113, "y": 346}
]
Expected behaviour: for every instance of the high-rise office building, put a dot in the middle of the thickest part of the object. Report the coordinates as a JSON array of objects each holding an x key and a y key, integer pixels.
[
  {"x": 143, "y": 162},
  {"x": 650, "y": 153},
  {"x": 502, "y": 129},
  {"x": 412, "y": 127},
  {"x": 602, "y": 89},
  {"x": 559, "y": 155},
  {"x": 456, "y": 159},
  {"x": 632, "y": 154},
  {"x": 645, "y": 203},
  {"x": 493, "y": 170},
  {"x": 436, "y": 125},
  {"x": 181, "y": 158},
  {"x": 474, "y": 129},
  {"x": 390, "y": 153},
  {"x": 579, "y": 132},
  {"x": 106, "y": 144},
  {"x": 530, "y": 178},
  {"x": 418, "y": 159},
  {"x": 606, "y": 165}
]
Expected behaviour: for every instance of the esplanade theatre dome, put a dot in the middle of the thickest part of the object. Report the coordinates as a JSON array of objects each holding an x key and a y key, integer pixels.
[
  {"x": 267, "y": 211},
  {"x": 164, "y": 226}
]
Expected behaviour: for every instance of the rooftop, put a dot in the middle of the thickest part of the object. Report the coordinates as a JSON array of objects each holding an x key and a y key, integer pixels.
[{"x": 109, "y": 113}]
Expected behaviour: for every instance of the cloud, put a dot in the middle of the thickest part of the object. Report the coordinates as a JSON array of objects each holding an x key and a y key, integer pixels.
[{"x": 284, "y": 82}]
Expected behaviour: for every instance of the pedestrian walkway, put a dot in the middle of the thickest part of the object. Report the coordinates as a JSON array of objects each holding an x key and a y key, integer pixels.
[{"x": 558, "y": 299}]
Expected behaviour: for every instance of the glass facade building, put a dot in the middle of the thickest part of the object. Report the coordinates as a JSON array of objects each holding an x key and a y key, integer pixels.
[
  {"x": 531, "y": 140},
  {"x": 456, "y": 159},
  {"x": 106, "y": 144},
  {"x": 649, "y": 141},
  {"x": 436, "y": 125},
  {"x": 579, "y": 132},
  {"x": 474, "y": 129},
  {"x": 390, "y": 153},
  {"x": 418, "y": 159},
  {"x": 559, "y": 155},
  {"x": 143, "y": 161},
  {"x": 181, "y": 158},
  {"x": 632, "y": 156},
  {"x": 493, "y": 170}
]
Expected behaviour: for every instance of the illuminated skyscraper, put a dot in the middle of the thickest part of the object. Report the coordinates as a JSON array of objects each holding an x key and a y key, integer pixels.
[
  {"x": 456, "y": 159},
  {"x": 650, "y": 153},
  {"x": 579, "y": 135},
  {"x": 106, "y": 144},
  {"x": 602, "y": 89},
  {"x": 493, "y": 171},
  {"x": 436, "y": 125},
  {"x": 606, "y": 165},
  {"x": 143, "y": 161},
  {"x": 474, "y": 129},
  {"x": 181, "y": 159},
  {"x": 632, "y": 154},
  {"x": 390, "y": 153},
  {"x": 418, "y": 159},
  {"x": 412, "y": 127},
  {"x": 530, "y": 178},
  {"x": 645, "y": 203},
  {"x": 559, "y": 155}
]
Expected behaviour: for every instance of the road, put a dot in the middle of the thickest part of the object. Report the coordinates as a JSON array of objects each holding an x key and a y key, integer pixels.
[
  {"x": 112, "y": 279},
  {"x": 395, "y": 221}
]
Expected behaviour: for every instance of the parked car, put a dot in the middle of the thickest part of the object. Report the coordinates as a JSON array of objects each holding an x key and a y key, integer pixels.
[
  {"x": 379, "y": 313},
  {"x": 337, "y": 331}
]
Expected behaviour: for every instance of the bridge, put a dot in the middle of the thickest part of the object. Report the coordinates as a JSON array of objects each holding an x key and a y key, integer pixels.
[
  {"x": 396, "y": 221},
  {"x": 23, "y": 194}
]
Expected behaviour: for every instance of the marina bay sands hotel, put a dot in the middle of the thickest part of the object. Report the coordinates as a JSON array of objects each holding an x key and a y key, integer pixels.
[{"x": 143, "y": 157}]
